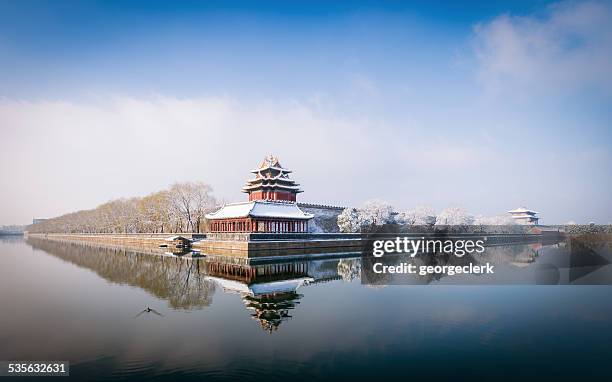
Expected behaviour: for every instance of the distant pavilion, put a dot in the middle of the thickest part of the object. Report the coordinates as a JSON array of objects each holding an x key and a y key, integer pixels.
[
  {"x": 271, "y": 207},
  {"x": 524, "y": 216}
]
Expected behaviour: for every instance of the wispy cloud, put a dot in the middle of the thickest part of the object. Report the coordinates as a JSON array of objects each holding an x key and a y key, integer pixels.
[
  {"x": 63, "y": 156},
  {"x": 83, "y": 153},
  {"x": 569, "y": 47}
]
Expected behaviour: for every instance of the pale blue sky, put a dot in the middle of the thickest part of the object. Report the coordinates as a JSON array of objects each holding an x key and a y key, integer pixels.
[{"x": 486, "y": 105}]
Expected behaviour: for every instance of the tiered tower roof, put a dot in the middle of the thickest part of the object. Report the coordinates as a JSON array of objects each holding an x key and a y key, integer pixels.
[
  {"x": 522, "y": 211},
  {"x": 523, "y": 215},
  {"x": 271, "y": 177}
]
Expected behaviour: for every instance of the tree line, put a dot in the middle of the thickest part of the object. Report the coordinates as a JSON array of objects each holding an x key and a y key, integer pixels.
[
  {"x": 378, "y": 212},
  {"x": 180, "y": 208}
]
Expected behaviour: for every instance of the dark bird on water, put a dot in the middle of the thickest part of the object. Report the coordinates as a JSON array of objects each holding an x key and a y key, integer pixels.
[{"x": 149, "y": 310}]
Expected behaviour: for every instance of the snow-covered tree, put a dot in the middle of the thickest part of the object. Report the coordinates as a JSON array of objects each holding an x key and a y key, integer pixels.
[
  {"x": 373, "y": 212},
  {"x": 191, "y": 201},
  {"x": 419, "y": 216},
  {"x": 349, "y": 269},
  {"x": 454, "y": 216},
  {"x": 376, "y": 212},
  {"x": 348, "y": 220},
  {"x": 179, "y": 209}
]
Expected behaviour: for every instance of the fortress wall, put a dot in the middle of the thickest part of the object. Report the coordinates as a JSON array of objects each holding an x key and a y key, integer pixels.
[
  {"x": 149, "y": 240},
  {"x": 325, "y": 217}
]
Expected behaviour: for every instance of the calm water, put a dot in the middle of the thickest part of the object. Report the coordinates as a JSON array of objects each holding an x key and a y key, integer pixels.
[{"x": 84, "y": 304}]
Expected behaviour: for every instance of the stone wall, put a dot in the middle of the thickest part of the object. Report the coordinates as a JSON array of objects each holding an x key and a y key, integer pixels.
[
  {"x": 152, "y": 240},
  {"x": 267, "y": 236},
  {"x": 325, "y": 217},
  {"x": 577, "y": 229}
]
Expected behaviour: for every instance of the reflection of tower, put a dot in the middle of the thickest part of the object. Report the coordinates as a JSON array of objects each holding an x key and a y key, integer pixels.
[
  {"x": 272, "y": 309},
  {"x": 269, "y": 290}
]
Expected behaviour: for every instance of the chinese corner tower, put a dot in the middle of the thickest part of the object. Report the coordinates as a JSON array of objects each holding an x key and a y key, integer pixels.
[
  {"x": 271, "y": 206},
  {"x": 271, "y": 182}
]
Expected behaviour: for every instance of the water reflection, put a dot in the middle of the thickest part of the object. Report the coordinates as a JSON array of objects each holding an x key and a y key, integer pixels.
[
  {"x": 182, "y": 283},
  {"x": 11, "y": 238},
  {"x": 324, "y": 323},
  {"x": 270, "y": 291},
  {"x": 272, "y": 309},
  {"x": 576, "y": 260}
]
